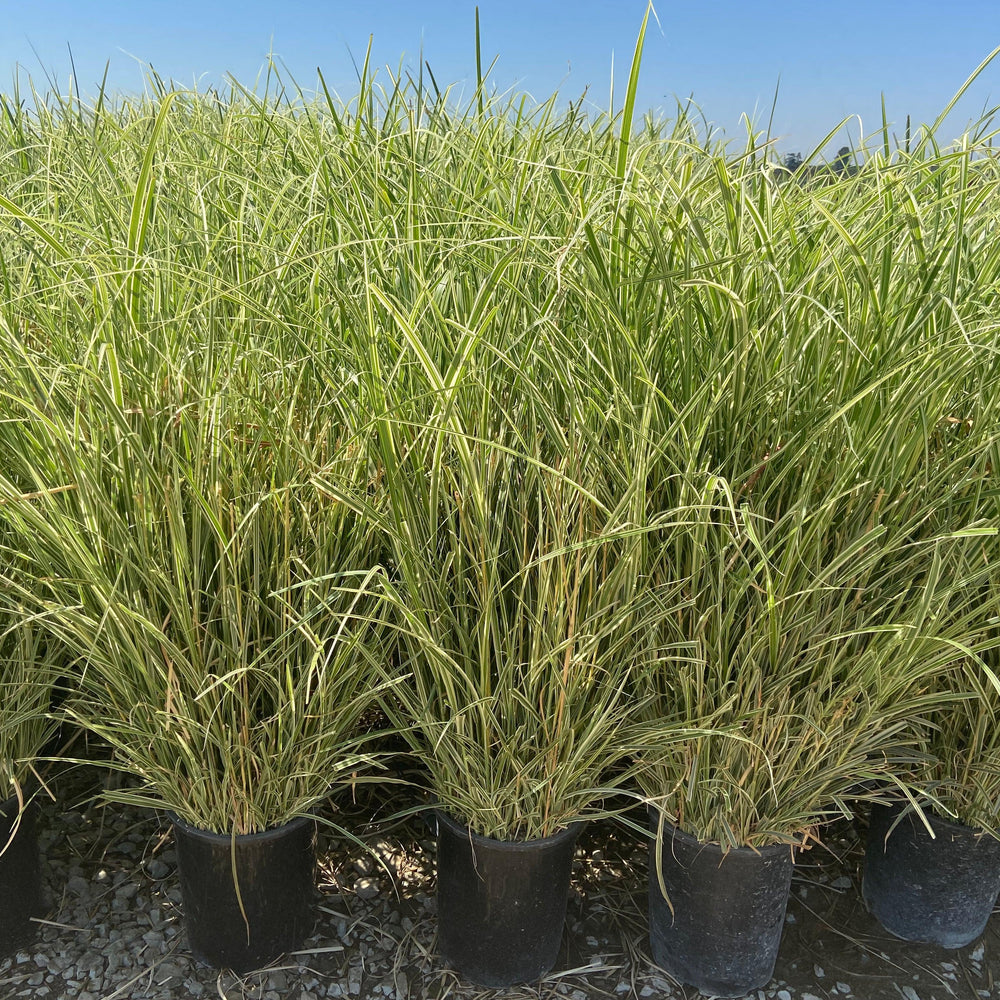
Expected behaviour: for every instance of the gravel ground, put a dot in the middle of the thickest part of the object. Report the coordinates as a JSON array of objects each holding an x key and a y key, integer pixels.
[{"x": 115, "y": 926}]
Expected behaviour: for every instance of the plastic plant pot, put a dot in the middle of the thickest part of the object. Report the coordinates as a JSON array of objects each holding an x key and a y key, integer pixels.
[
  {"x": 247, "y": 899},
  {"x": 501, "y": 904},
  {"x": 20, "y": 876},
  {"x": 938, "y": 890},
  {"x": 721, "y": 928}
]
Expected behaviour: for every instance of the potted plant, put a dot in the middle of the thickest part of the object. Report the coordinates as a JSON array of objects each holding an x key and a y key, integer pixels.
[
  {"x": 516, "y": 600},
  {"x": 803, "y": 657},
  {"x": 218, "y": 601},
  {"x": 808, "y": 636},
  {"x": 518, "y": 653},
  {"x": 932, "y": 862}
]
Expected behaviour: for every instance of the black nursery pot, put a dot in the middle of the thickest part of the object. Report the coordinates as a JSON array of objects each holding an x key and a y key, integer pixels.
[
  {"x": 20, "y": 876},
  {"x": 723, "y": 933},
  {"x": 275, "y": 875},
  {"x": 938, "y": 890},
  {"x": 501, "y": 904}
]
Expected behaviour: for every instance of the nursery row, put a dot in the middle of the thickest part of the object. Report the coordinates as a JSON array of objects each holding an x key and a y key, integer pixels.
[
  {"x": 592, "y": 455},
  {"x": 501, "y": 905}
]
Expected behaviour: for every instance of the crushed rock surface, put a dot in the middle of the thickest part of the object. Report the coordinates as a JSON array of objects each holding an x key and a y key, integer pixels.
[{"x": 115, "y": 926}]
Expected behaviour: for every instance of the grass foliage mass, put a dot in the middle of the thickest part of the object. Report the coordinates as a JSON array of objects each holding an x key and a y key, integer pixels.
[{"x": 598, "y": 453}]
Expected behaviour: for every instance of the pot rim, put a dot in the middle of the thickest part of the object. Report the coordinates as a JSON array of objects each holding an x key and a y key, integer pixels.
[
  {"x": 676, "y": 833},
  {"x": 900, "y": 811},
  {"x": 261, "y": 836},
  {"x": 571, "y": 832}
]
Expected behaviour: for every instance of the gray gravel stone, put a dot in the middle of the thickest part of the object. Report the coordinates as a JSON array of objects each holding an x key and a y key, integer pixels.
[
  {"x": 367, "y": 888},
  {"x": 153, "y": 938},
  {"x": 157, "y": 869},
  {"x": 168, "y": 970},
  {"x": 277, "y": 981},
  {"x": 78, "y": 884}
]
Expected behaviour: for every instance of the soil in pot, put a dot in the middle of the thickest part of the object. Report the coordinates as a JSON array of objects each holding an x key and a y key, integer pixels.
[
  {"x": 938, "y": 890},
  {"x": 720, "y": 926},
  {"x": 501, "y": 904},
  {"x": 20, "y": 876},
  {"x": 247, "y": 899}
]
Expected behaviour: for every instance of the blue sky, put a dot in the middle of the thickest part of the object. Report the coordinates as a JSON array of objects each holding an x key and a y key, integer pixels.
[{"x": 833, "y": 59}]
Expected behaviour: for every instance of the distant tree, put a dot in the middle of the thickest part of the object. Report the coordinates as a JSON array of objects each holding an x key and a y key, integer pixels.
[
  {"x": 792, "y": 161},
  {"x": 842, "y": 164}
]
